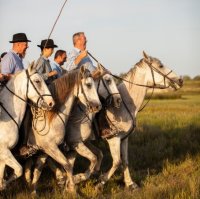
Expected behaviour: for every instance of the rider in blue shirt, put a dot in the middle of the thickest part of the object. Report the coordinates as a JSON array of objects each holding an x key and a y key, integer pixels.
[
  {"x": 12, "y": 61},
  {"x": 59, "y": 59},
  {"x": 78, "y": 55}
]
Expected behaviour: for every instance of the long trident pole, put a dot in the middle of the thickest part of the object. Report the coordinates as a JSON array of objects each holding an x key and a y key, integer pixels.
[
  {"x": 52, "y": 29},
  {"x": 55, "y": 22}
]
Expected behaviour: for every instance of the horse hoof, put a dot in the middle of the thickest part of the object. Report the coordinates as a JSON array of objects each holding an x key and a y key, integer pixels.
[
  {"x": 27, "y": 151},
  {"x": 71, "y": 193},
  {"x": 133, "y": 187},
  {"x": 95, "y": 175},
  {"x": 34, "y": 194},
  {"x": 61, "y": 182},
  {"x": 99, "y": 187}
]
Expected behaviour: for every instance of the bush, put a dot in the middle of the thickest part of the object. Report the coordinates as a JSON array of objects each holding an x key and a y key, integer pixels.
[{"x": 196, "y": 78}]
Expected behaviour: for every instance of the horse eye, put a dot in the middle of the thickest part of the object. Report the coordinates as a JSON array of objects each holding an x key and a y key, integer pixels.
[
  {"x": 37, "y": 81},
  {"x": 89, "y": 85},
  {"x": 161, "y": 66},
  {"x": 108, "y": 81}
]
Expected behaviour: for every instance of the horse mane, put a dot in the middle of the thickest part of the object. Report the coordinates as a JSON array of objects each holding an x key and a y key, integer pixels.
[
  {"x": 132, "y": 72},
  {"x": 61, "y": 88}
]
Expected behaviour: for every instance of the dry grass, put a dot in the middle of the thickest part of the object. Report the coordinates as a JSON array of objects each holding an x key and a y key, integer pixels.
[{"x": 164, "y": 158}]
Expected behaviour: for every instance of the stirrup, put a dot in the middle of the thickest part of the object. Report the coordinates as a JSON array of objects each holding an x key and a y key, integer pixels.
[{"x": 27, "y": 151}]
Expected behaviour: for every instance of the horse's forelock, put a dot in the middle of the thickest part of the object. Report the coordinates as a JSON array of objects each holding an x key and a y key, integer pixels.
[{"x": 86, "y": 74}]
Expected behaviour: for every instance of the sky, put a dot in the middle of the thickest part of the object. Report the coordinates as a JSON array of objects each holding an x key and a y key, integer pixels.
[{"x": 117, "y": 30}]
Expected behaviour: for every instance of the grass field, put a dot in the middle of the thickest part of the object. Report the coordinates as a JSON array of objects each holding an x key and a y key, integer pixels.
[{"x": 164, "y": 155}]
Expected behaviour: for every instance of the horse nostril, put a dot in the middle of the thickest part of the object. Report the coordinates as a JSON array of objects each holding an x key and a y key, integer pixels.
[
  {"x": 98, "y": 107},
  {"x": 119, "y": 100},
  {"x": 50, "y": 104}
]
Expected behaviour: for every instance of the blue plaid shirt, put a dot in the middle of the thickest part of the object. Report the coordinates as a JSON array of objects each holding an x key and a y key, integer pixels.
[
  {"x": 11, "y": 63},
  {"x": 55, "y": 66},
  {"x": 71, "y": 56}
]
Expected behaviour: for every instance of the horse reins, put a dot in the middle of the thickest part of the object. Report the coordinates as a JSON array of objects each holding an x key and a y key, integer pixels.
[
  {"x": 152, "y": 69},
  {"x": 110, "y": 95},
  {"x": 25, "y": 101}
]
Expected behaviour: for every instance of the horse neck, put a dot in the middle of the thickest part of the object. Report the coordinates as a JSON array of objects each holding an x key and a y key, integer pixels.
[
  {"x": 14, "y": 106},
  {"x": 68, "y": 104},
  {"x": 132, "y": 94},
  {"x": 101, "y": 90},
  {"x": 67, "y": 107}
]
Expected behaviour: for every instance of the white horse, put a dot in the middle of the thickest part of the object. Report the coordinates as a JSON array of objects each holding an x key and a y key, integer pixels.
[
  {"x": 79, "y": 127},
  {"x": 13, "y": 99},
  {"x": 147, "y": 73},
  {"x": 49, "y": 131}
]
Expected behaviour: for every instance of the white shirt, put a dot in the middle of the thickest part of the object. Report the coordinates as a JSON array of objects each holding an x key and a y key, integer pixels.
[{"x": 86, "y": 61}]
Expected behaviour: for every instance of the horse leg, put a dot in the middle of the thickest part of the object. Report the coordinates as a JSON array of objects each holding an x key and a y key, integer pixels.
[
  {"x": 40, "y": 162},
  {"x": 59, "y": 172},
  {"x": 98, "y": 154},
  {"x": 58, "y": 156},
  {"x": 127, "y": 177},
  {"x": 10, "y": 160},
  {"x": 27, "y": 171},
  {"x": 114, "y": 145},
  {"x": 82, "y": 150},
  {"x": 2, "y": 182}
]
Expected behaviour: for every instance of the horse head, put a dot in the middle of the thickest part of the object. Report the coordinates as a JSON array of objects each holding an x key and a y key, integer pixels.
[
  {"x": 88, "y": 93},
  {"x": 107, "y": 89},
  {"x": 37, "y": 90},
  {"x": 158, "y": 75}
]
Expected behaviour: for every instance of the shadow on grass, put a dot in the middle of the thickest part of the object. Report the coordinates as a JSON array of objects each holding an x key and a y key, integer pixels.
[{"x": 150, "y": 147}]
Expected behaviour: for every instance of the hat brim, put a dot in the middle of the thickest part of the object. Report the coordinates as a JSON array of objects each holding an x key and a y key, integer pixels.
[
  {"x": 20, "y": 41},
  {"x": 54, "y": 46}
]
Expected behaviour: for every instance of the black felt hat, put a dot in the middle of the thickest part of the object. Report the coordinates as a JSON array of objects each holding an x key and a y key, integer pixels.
[
  {"x": 47, "y": 44},
  {"x": 19, "y": 37}
]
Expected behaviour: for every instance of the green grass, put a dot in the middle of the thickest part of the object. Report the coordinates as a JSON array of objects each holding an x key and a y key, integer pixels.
[{"x": 164, "y": 156}]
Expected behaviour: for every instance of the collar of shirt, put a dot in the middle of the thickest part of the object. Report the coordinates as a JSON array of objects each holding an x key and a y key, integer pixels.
[
  {"x": 56, "y": 64},
  {"x": 60, "y": 68},
  {"x": 78, "y": 50},
  {"x": 45, "y": 58},
  {"x": 15, "y": 53}
]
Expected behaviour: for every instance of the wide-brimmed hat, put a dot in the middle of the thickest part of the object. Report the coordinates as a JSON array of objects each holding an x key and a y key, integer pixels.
[
  {"x": 19, "y": 37},
  {"x": 47, "y": 44}
]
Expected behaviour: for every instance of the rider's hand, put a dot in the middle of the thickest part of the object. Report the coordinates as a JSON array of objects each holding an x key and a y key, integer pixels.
[{"x": 83, "y": 54}]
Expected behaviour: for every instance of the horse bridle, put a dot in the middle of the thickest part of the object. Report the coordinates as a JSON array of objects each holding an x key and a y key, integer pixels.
[
  {"x": 81, "y": 90},
  {"x": 40, "y": 96},
  {"x": 165, "y": 76},
  {"x": 109, "y": 97},
  {"x": 152, "y": 68},
  {"x": 30, "y": 104}
]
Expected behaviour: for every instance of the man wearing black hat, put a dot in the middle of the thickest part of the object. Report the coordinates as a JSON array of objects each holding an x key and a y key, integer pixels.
[
  {"x": 12, "y": 61},
  {"x": 43, "y": 66}
]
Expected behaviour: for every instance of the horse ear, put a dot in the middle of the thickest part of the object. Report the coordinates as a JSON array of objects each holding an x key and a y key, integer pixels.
[
  {"x": 145, "y": 55},
  {"x": 82, "y": 69},
  {"x": 99, "y": 67},
  {"x": 31, "y": 66}
]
